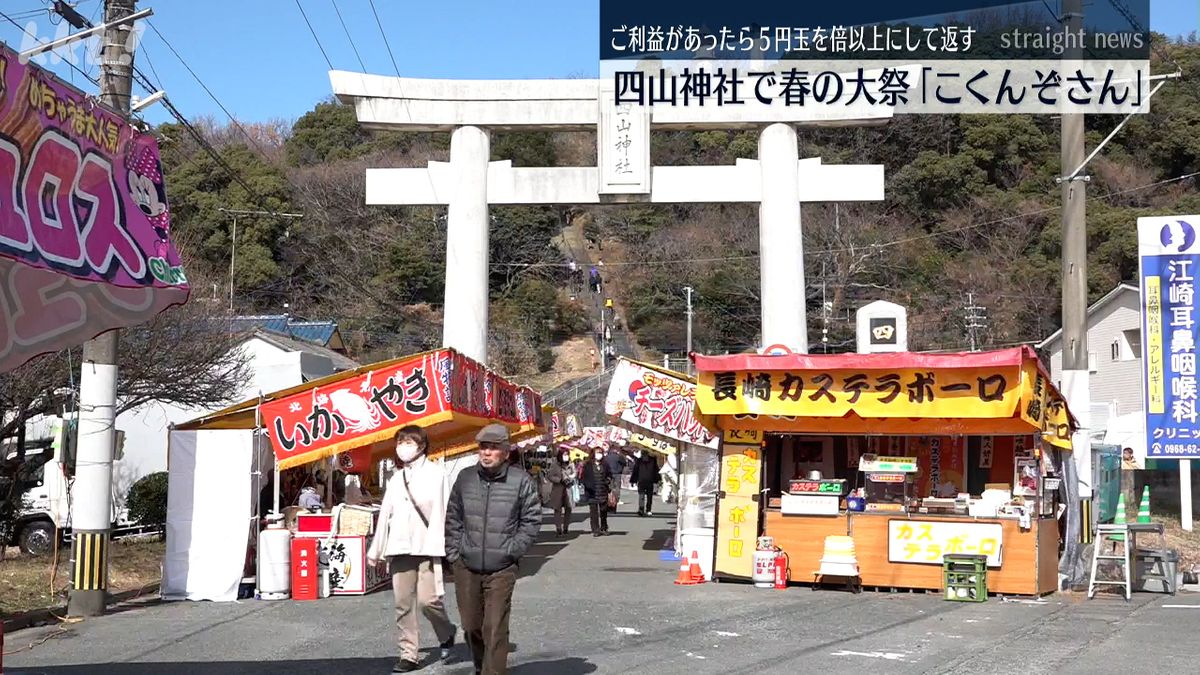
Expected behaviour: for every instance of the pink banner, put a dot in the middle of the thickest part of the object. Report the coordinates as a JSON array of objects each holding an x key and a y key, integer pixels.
[{"x": 85, "y": 242}]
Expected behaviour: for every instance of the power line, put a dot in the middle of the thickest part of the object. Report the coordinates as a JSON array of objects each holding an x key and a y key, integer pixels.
[
  {"x": 314, "y": 34},
  {"x": 208, "y": 91},
  {"x": 347, "y": 30},
  {"x": 385, "y": 40},
  {"x": 25, "y": 32}
]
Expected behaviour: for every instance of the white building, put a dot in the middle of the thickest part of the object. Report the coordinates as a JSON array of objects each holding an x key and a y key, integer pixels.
[
  {"x": 1114, "y": 337},
  {"x": 275, "y": 361}
]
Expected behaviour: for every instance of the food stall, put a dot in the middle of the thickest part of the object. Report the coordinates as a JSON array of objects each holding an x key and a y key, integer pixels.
[
  {"x": 912, "y": 455},
  {"x": 657, "y": 407},
  {"x": 343, "y": 425}
]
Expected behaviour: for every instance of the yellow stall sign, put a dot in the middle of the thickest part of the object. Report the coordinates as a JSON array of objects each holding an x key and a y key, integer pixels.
[
  {"x": 948, "y": 392},
  {"x": 926, "y": 541},
  {"x": 737, "y": 509}
]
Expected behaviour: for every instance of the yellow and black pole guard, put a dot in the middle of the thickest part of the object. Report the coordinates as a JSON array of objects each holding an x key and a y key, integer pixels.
[{"x": 90, "y": 555}]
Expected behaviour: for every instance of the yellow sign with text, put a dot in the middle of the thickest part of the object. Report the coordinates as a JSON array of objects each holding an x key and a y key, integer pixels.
[
  {"x": 907, "y": 393},
  {"x": 744, "y": 436},
  {"x": 653, "y": 444},
  {"x": 1154, "y": 344},
  {"x": 737, "y": 509},
  {"x": 924, "y": 541},
  {"x": 1043, "y": 408}
]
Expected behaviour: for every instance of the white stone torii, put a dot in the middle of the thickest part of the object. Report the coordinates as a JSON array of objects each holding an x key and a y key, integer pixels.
[{"x": 779, "y": 180}]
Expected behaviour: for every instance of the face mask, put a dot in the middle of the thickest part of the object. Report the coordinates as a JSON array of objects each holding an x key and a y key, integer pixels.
[
  {"x": 407, "y": 452},
  {"x": 566, "y": 458},
  {"x": 599, "y": 456},
  {"x": 637, "y": 453}
]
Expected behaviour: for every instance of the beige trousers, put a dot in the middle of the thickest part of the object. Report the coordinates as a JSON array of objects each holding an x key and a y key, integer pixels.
[{"x": 413, "y": 583}]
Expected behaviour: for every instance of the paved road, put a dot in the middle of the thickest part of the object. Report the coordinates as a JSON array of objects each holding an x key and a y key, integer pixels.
[{"x": 607, "y": 605}]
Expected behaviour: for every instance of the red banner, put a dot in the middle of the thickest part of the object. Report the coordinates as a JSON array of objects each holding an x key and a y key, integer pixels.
[{"x": 356, "y": 408}]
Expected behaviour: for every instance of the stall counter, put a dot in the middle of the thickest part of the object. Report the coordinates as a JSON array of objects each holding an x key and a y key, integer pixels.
[
  {"x": 1028, "y": 558},
  {"x": 885, "y": 544}
]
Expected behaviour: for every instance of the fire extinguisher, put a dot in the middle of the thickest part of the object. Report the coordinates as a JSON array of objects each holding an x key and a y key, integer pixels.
[{"x": 781, "y": 569}]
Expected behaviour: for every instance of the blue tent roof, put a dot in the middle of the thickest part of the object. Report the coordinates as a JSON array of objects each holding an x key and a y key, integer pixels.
[{"x": 316, "y": 332}]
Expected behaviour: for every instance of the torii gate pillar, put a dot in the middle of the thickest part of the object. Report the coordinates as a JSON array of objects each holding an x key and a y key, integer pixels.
[
  {"x": 465, "y": 312},
  {"x": 780, "y": 247}
]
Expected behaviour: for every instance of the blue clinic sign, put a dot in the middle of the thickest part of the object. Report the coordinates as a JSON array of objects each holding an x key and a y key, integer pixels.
[{"x": 1169, "y": 262}]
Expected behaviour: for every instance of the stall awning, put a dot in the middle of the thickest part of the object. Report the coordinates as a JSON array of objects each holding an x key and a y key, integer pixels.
[
  {"x": 999, "y": 392},
  {"x": 443, "y": 391}
]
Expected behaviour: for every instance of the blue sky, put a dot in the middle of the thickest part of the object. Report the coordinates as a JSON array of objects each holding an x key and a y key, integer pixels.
[{"x": 260, "y": 60}]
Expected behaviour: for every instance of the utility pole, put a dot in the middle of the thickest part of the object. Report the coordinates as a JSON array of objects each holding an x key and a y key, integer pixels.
[
  {"x": 233, "y": 237},
  {"x": 688, "y": 289},
  {"x": 91, "y": 513},
  {"x": 973, "y": 321},
  {"x": 1076, "y": 385}
]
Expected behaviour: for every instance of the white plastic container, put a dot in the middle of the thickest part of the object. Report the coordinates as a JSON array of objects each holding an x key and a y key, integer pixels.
[
  {"x": 700, "y": 540},
  {"x": 274, "y": 563},
  {"x": 763, "y": 575}
]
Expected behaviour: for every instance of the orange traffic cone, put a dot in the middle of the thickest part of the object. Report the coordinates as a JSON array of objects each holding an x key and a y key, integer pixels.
[
  {"x": 694, "y": 570},
  {"x": 685, "y": 574}
]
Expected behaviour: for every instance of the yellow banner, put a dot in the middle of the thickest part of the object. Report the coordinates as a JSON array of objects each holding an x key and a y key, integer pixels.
[
  {"x": 654, "y": 444},
  {"x": 737, "y": 509},
  {"x": 947, "y": 392},
  {"x": 1154, "y": 344},
  {"x": 1043, "y": 408},
  {"x": 746, "y": 436}
]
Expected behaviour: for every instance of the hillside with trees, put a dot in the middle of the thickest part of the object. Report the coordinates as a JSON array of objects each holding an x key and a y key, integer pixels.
[{"x": 971, "y": 208}]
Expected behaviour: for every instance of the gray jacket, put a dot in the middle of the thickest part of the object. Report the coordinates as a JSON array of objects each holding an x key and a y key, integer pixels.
[{"x": 491, "y": 521}]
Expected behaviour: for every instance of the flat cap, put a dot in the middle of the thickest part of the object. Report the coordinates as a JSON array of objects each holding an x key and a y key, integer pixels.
[{"x": 493, "y": 433}]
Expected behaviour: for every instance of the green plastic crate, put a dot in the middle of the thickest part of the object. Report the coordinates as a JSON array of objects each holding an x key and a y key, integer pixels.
[{"x": 964, "y": 577}]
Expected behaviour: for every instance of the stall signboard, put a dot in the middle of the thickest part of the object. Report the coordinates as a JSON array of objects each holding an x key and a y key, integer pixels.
[
  {"x": 737, "y": 509},
  {"x": 827, "y": 486},
  {"x": 947, "y": 392},
  {"x": 876, "y": 463},
  {"x": 657, "y": 402},
  {"x": 814, "y": 504},
  {"x": 573, "y": 427},
  {"x": 555, "y": 425},
  {"x": 85, "y": 230},
  {"x": 655, "y": 444},
  {"x": 354, "y": 411},
  {"x": 886, "y": 477},
  {"x": 349, "y": 573},
  {"x": 1169, "y": 260},
  {"x": 926, "y": 541}
]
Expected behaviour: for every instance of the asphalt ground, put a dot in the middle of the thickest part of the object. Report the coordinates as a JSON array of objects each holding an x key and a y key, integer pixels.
[{"x": 608, "y": 605}]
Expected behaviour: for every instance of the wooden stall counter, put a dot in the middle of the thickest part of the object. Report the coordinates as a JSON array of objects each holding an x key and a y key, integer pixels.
[
  {"x": 803, "y": 539},
  {"x": 905, "y": 551}
]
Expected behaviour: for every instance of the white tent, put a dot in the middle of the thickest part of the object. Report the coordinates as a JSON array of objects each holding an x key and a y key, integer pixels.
[{"x": 207, "y": 531}]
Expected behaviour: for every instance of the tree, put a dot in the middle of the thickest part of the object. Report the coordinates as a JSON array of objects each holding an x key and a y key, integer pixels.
[{"x": 185, "y": 356}]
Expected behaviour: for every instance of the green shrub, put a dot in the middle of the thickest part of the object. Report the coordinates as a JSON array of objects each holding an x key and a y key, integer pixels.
[{"x": 147, "y": 500}]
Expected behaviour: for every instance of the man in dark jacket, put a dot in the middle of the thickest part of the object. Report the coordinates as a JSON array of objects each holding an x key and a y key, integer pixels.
[
  {"x": 646, "y": 477},
  {"x": 616, "y": 463},
  {"x": 492, "y": 519}
]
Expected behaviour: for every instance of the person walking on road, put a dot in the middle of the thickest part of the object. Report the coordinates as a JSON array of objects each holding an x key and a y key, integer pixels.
[
  {"x": 646, "y": 477},
  {"x": 492, "y": 520},
  {"x": 597, "y": 484},
  {"x": 560, "y": 475},
  {"x": 411, "y": 536},
  {"x": 616, "y": 463}
]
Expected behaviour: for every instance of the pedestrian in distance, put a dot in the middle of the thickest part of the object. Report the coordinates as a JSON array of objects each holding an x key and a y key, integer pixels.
[
  {"x": 616, "y": 464},
  {"x": 492, "y": 520},
  {"x": 597, "y": 485},
  {"x": 411, "y": 537},
  {"x": 646, "y": 477},
  {"x": 560, "y": 476}
]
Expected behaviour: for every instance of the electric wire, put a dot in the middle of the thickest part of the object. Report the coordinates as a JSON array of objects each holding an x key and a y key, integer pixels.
[{"x": 314, "y": 34}]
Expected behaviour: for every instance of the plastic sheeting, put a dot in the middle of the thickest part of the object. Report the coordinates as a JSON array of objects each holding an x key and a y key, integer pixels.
[
  {"x": 208, "y": 527},
  {"x": 699, "y": 478}
]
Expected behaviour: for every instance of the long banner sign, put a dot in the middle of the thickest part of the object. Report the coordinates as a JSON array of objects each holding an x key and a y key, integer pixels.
[
  {"x": 1169, "y": 260},
  {"x": 85, "y": 232}
]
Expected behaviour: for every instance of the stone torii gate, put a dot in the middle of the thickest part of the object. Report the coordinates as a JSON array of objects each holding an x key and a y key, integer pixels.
[{"x": 778, "y": 180}]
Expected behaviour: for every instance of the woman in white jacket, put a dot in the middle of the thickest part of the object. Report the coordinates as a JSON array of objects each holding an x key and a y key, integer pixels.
[{"x": 411, "y": 536}]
